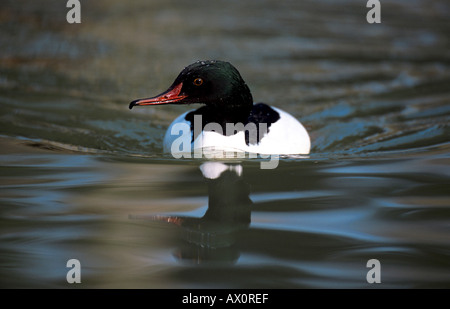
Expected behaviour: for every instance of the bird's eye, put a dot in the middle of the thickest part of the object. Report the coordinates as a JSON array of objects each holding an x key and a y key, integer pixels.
[{"x": 198, "y": 81}]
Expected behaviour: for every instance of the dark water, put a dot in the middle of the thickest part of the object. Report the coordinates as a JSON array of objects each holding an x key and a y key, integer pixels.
[{"x": 82, "y": 177}]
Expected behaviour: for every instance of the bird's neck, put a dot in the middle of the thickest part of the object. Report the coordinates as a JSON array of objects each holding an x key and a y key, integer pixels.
[
  {"x": 232, "y": 109},
  {"x": 222, "y": 116}
]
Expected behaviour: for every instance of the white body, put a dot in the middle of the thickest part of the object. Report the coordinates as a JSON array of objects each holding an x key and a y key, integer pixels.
[{"x": 286, "y": 136}]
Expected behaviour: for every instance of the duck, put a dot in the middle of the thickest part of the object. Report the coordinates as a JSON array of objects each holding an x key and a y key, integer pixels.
[{"x": 227, "y": 119}]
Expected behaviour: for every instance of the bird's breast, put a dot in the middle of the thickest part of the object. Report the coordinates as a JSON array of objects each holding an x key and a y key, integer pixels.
[{"x": 284, "y": 136}]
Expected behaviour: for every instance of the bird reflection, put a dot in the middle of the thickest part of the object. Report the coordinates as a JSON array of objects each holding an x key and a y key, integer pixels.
[{"x": 211, "y": 238}]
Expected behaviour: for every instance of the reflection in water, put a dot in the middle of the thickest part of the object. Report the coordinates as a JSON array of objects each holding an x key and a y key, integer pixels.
[
  {"x": 211, "y": 237},
  {"x": 316, "y": 226}
]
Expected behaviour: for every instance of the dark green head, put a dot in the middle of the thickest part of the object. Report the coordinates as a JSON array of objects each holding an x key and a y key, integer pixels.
[{"x": 215, "y": 83}]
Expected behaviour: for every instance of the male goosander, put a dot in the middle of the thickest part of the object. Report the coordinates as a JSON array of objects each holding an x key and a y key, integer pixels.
[{"x": 229, "y": 120}]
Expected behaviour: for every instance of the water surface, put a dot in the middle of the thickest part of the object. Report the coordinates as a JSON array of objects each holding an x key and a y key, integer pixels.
[{"x": 83, "y": 177}]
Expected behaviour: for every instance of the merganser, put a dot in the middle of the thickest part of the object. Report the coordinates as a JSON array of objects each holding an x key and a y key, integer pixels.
[{"x": 229, "y": 120}]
